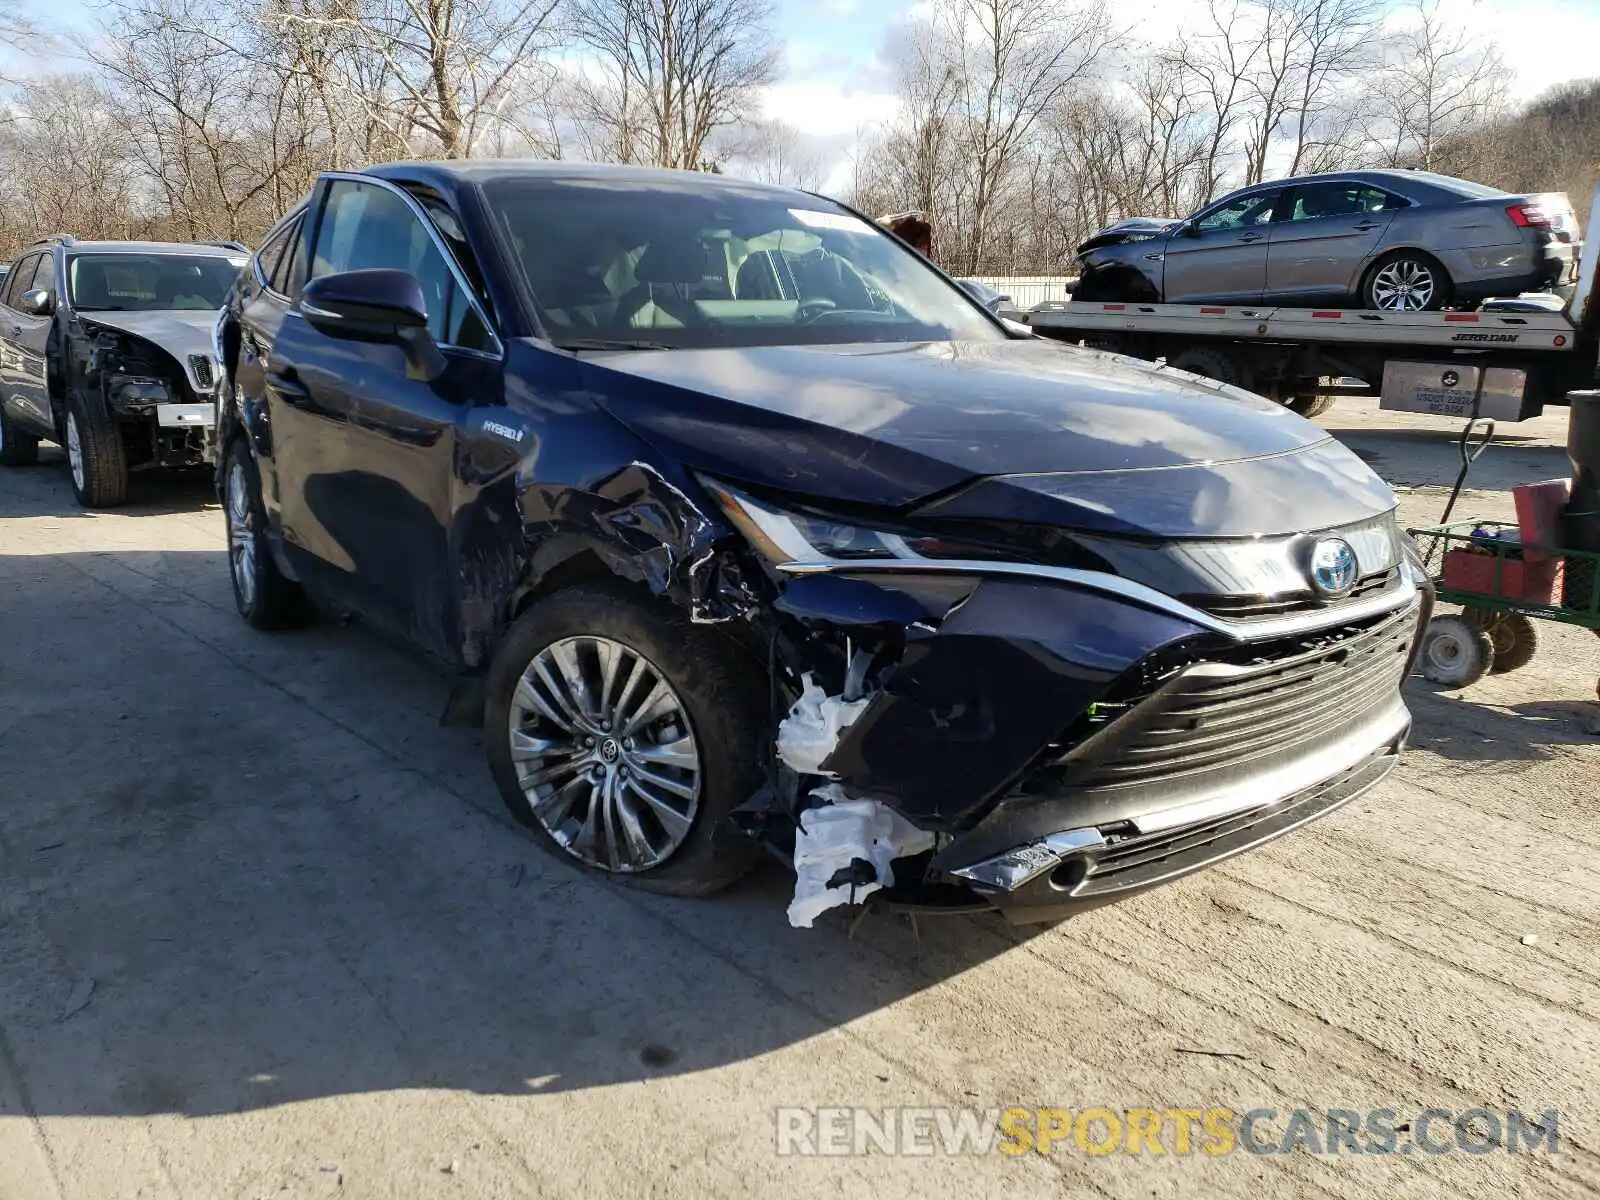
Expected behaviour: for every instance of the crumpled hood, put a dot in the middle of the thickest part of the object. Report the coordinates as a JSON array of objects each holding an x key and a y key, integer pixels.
[
  {"x": 1129, "y": 229},
  {"x": 180, "y": 332},
  {"x": 896, "y": 424}
]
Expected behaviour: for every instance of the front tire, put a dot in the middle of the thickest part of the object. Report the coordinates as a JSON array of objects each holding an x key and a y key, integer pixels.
[
  {"x": 264, "y": 596},
  {"x": 96, "y": 457},
  {"x": 622, "y": 736},
  {"x": 1309, "y": 406},
  {"x": 17, "y": 449},
  {"x": 1406, "y": 282},
  {"x": 1213, "y": 363}
]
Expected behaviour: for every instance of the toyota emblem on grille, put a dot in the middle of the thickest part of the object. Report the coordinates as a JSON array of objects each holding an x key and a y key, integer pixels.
[{"x": 1333, "y": 568}]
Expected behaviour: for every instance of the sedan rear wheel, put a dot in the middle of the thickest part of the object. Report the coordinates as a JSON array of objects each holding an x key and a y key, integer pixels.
[{"x": 1406, "y": 283}]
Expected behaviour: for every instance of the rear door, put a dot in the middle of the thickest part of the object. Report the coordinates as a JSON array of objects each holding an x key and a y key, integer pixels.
[
  {"x": 1221, "y": 256},
  {"x": 1321, "y": 238},
  {"x": 26, "y": 336}
]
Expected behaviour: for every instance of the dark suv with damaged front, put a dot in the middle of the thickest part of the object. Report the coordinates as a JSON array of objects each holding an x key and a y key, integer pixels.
[
  {"x": 105, "y": 348},
  {"x": 744, "y": 525}
]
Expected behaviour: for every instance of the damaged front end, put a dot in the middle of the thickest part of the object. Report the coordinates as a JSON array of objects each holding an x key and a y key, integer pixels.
[
  {"x": 969, "y": 731},
  {"x": 165, "y": 396}
]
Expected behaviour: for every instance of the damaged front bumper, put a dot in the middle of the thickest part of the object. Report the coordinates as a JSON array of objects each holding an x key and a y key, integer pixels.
[{"x": 1072, "y": 738}]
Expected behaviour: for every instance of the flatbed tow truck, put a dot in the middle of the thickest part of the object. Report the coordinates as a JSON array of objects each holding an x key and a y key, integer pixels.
[{"x": 1504, "y": 360}]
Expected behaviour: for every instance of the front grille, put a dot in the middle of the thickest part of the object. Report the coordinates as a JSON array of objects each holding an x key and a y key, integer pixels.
[
  {"x": 1243, "y": 608},
  {"x": 1145, "y": 859},
  {"x": 1248, "y": 703},
  {"x": 200, "y": 365}
]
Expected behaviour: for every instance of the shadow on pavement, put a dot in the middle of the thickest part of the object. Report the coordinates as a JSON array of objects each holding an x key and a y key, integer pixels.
[
  {"x": 245, "y": 869},
  {"x": 1466, "y": 731}
]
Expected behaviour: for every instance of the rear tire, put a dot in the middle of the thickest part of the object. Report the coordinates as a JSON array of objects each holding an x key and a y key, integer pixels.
[
  {"x": 1407, "y": 281},
  {"x": 1515, "y": 638},
  {"x": 579, "y": 784},
  {"x": 1213, "y": 363},
  {"x": 17, "y": 449},
  {"x": 264, "y": 596},
  {"x": 1456, "y": 652},
  {"x": 96, "y": 457},
  {"x": 1309, "y": 406}
]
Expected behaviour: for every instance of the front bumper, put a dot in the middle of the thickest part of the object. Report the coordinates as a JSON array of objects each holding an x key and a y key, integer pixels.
[{"x": 991, "y": 730}]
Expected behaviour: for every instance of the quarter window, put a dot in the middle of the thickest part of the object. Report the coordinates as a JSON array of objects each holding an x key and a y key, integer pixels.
[{"x": 365, "y": 227}]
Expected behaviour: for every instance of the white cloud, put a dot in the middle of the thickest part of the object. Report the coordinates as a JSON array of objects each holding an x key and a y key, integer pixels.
[{"x": 827, "y": 109}]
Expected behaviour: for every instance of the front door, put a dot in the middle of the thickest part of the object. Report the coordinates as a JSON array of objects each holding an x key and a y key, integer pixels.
[
  {"x": 389, "y": 505},
  {"x": 1322, "y": 236},
  {"x": 22, "y": 358},
  {"x": 1221, "y": 256}
]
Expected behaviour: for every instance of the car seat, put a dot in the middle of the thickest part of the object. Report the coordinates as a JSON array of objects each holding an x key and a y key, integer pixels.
[{"x": 657, "y": 300}]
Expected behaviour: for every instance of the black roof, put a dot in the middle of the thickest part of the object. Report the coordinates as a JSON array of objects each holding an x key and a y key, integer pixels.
[{"x": 449, "y": 174}]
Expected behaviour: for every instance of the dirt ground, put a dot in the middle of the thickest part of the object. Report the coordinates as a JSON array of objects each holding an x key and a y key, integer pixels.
[{"x": 266, "y": 932}]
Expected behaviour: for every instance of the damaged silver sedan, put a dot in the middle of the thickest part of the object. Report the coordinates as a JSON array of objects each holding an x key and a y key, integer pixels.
[{"x": 749, "y": 530}]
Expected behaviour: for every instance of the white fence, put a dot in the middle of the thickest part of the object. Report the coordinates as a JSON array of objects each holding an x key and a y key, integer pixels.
[{"x": 1026, "y": 291}]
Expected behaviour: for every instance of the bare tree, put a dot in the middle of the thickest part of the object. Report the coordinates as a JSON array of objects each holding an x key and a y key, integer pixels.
[
  {"x": 1015, "y": 60},
  {"x": 667, "y": 75},
  {"x": 1436, "y": 83},
  {"x": 774, "y": 152}
]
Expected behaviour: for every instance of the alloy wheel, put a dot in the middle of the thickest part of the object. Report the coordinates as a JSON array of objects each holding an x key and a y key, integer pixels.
[
  {"x": 74, "y": 450},
  {"x": 1404, "y": 285},
  {"x": 241, "y": 535},
  {"x": 605, "y": 754}
]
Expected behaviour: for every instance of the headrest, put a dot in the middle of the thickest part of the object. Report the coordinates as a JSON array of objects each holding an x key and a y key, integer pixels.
[{"x": 673, "y": 261}]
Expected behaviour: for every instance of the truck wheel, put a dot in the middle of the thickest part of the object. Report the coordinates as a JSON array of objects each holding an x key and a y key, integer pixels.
[
  {"x": 621, "y": 735},
  {"x": 264, "y": 596},
  {"x": 1408, "y": 281},
  {"x": 1515, "y": 638},
  {"x": 1213, "y": 363},
  {"x": 96, "y": 457},
  {"x": 1309, "y": 406},
  {"x": 16, "y": 449},
  {"x": 1456, "y": 652}
]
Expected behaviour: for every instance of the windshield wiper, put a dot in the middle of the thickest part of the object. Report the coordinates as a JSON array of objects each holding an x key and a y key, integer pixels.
[{"x": 608, "y": 344}]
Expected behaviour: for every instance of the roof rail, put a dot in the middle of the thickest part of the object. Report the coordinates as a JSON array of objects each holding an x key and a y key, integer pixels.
[
  {"x": 240, "y": 246},
  {"x": 66, "y": 239}
]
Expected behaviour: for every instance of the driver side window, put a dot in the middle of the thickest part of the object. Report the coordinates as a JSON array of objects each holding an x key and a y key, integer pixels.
[
  {"x": 1243, "y": 212},
  {"x": 21, "y": 279},
  {"x": 365, "y": 226}
]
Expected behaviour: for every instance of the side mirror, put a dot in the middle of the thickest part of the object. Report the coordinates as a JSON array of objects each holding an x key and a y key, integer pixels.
[
  {"x": 367, "y": 306},
  {"x": 38, "y": 303},
  {"x": 380, "y": 305}
]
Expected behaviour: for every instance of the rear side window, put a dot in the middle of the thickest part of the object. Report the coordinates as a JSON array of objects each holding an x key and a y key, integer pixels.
[
  {"x": 1340, "y": 200},
  {"x": 366, "y": 226}
]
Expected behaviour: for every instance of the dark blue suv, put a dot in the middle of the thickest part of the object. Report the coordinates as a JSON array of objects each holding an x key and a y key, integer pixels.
[{"x": 746, "y": 526}]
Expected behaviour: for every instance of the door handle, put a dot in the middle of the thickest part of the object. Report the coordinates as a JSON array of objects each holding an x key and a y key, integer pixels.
[
  {"x": 287, "y": 384},
  {"x": 1154, "y": 257},
  {"x": 1366, "y": 225},
  {"x": 1251, "y": 237}
]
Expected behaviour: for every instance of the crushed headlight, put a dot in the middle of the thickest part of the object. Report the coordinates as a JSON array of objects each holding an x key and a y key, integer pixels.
[{"x": 784, "y": 535}]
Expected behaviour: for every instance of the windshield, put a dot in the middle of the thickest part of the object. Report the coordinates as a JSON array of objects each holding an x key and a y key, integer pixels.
[
  {"x": 149, "y": 282},
  {"x": 629, "y": 263}
]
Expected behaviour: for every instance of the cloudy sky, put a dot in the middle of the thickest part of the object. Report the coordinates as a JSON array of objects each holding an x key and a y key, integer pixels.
[{"x": 836, "y": 83}]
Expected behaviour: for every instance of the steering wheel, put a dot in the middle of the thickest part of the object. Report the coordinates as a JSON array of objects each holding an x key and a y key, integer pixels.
[{"x": 810, "y": 310}]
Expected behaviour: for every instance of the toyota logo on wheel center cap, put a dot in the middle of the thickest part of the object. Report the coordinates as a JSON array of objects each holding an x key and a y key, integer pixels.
[
  {"x": 609, "y": 750},
  {"x": 1333, "y": 568}
]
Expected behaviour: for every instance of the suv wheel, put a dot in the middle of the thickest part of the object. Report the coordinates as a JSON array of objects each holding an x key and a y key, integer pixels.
[
  {"x": 16, "y": 449},
  {"x": 95, "y": 456},
  {"x": 622, "y": 736},
  {"x": 265, "y": 597}
]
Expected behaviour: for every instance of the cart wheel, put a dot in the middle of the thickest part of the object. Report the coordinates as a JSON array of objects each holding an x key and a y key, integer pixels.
[
  {"x": 1456, "y": 652},
  {"x": 1515, "y": 638}
]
